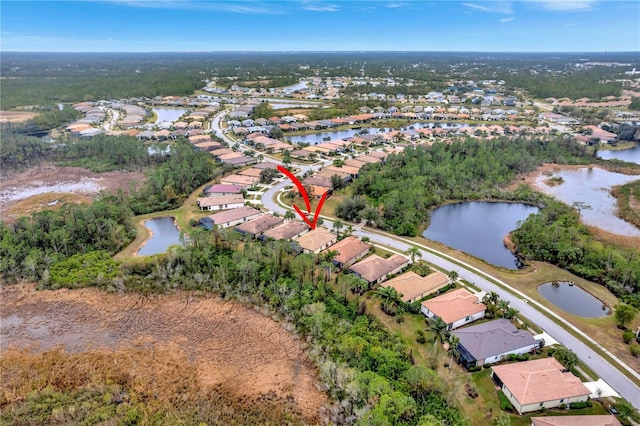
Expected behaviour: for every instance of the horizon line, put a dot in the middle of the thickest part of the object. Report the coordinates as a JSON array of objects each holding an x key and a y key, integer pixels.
[{"x": 325, "y": 51}]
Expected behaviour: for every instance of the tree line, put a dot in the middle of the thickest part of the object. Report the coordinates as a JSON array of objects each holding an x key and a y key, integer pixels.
[{"x": 422, "y": 177}]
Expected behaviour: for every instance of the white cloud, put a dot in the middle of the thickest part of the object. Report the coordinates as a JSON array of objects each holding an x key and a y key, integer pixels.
[
  {"x": 503, "y": 20},
  {"x": 247, "y": 7},
  {"x": 314, "y": 7},
  {"x": 565, "y": 5},
  {"x": 492, "y": 7},
  {"x": 395, "y": 5}
]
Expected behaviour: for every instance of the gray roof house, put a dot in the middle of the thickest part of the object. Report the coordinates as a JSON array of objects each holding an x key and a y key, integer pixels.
[{"x": 491, "y": 341}]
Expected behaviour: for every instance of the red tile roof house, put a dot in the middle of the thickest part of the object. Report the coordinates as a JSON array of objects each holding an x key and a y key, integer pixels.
[
  {"x": 220, "y": 202},
  {"x": 317, "y": 240},
  {"x": 596, "y": 420},
  {"x": 220, "y": 189},
  {"x": 255, "y": 227},
  {"x": 374, "y": 269},
  {"x": 456, "y": 308},
  {"x": 413, "y": 287},
  {"x": 350, "y": 250},
  {"x": 231, "y": 217},
  {"x": 541, "y": 383}
]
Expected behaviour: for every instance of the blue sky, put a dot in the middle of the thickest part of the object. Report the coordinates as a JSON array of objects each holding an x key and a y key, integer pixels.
[{"x": 319, "y": 25}]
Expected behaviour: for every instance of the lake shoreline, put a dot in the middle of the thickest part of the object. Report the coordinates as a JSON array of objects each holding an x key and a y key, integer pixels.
[{"x": 150, "y": 233}]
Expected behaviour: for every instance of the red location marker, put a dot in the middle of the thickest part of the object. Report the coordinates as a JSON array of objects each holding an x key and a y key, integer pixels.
[{"x": 312, "y": 224}]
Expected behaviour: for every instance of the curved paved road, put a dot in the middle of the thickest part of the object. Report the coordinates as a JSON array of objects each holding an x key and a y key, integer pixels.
[{"x": 531, "y": 309}]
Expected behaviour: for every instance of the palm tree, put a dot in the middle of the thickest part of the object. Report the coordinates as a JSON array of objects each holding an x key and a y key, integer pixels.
[
  {"x": 511, "y": 313},
  {"x": 503, "y": 305},
  {"x": 491, "y": 298},
  {"x": 348, "y": 230},
  {"x": 338, "y": 225},
  {"x": 453, "y": 276},
  {"x": 370, "y": 215},
  {"x": 453, "y": 351},
  {"x": 289, "y": 215},
  {"x": 413, "y": 252},
  {"x": 390, "y": 298},
  {"x": 439, "y": 328}
]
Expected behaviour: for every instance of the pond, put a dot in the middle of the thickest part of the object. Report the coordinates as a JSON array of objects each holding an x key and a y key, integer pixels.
[
  {"x": 573, "y": 299},
  {"x": 592, "y": 186},
  {"x": 168, "y": 114},
  {"x": 631, "y": 155},
  {"x": 164, "y": 233},
  {"x": 478, "y": 228},
  {"x": 340, "y": 134}
]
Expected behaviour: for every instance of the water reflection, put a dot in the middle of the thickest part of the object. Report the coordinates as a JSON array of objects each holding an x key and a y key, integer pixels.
[
  {"x": 592, "y": 186},
  {"x": 478, "y": 228}
]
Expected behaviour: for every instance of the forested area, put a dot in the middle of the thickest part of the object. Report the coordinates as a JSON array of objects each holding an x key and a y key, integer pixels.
[
  {"x": 32, "y": 244},
  {"x": 555, "y": 235},
  {"x": 572, "y": 85},
  {"x": 628, "y": 200},
  {"x": 421, "y": 177}
]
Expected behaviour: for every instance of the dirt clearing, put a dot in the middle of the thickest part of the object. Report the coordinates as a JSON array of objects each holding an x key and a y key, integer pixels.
[
  {"x": 16, "y": 116},
  {"x": 21, "y": 193},
  {"x": 225, "y": 344}
]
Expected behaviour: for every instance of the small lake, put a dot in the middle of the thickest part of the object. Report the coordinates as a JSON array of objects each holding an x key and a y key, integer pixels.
[
  {"x": 592, "y": 186},
  {"x": 165, "y": 233},
  {"x": 340, "y": 134},
  {"x": 631, "y": 155},
  {"x": 573, "y": 299},
  {"x": 478, "y": 228},
  {"x": 168, "y": 114}
]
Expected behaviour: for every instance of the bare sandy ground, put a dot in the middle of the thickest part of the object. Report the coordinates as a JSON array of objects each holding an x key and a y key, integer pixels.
[
  {"x": 16, "y": 116},
  {"x": 19, "y": 188},
  {"x": 227, "y": 344}
]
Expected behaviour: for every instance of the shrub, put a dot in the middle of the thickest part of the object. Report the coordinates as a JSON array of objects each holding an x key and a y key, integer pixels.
[
  {"x": 634, "y": 349},
  {"x": 487, "y": 366},
  {"x": 421, "y": 339},
  {"x": 628, "y": 336},
  {"x": 523, "y": 357},
  {"x": 577, "y": 405},
  {"x": 474, "y": 369},
  {"x": 505, "y": 404}
]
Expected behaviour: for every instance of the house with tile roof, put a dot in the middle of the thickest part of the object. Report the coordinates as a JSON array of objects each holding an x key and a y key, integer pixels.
[
  {"x": 375, "y": 269},
  {"x": 316, "y": 240},
  {"x": 286, "y": 231},
  {"x": 596, "y": 420},
  {"x": 491, "y": 342},
  {"x": 229, "y": 218},
  {"x": 256, "y": 227},
  {"x": 537, "y": 384},
  {"x": 456, "y": 308},
  {"x": 350, "y": 250},
  {"x": 413, "y": 287},
  {"x": 220, "y": 202}
]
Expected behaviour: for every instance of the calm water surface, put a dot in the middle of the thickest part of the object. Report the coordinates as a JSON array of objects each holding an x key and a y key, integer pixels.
[
  {"x": 631, "y": 155},
  {"x": 165, "y": 233},
  {"x": 592, "y": 187},
  {"x": 573, "y": 299},
  {"x": 168, "y": 114},
  {"x": 340, "y": 134},
  {"x": 478, "y": 228}
]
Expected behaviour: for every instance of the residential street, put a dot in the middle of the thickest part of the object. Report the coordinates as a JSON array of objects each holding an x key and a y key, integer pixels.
[{"x": 530, "y": 309}]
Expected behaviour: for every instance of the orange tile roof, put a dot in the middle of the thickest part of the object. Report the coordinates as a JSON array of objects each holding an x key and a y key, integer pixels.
[
  {"x": 597, "y": 420},
  {"x": 374, "y": 267},
  {"x": 349, "y": 248},
  {"x": 315, "y": 239},
  {"x": 539, "y": 380},
  {"x": 454, "y": 305},
  {"x": 411, "y": 285}
]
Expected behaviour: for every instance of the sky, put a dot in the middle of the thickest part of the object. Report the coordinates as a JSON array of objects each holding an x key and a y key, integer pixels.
[{"x": 319, "y": 25}]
